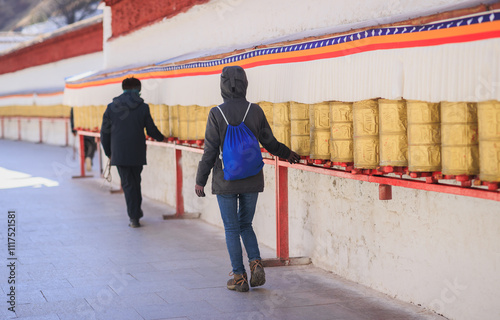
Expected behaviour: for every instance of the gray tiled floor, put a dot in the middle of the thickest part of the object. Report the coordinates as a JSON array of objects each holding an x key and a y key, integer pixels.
[{"x": 78, "y": 259}]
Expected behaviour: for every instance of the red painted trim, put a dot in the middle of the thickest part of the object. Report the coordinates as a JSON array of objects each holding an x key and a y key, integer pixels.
[
  {"x": 66, "y": 130},
  {"x": 392, "y": 181},
  {"x": 281, "y": 178},
  {"x": 128, "y": 16},
  {"x": 306, "y": 57},
  {"x": 179, "y": 199},
  {"x": 40, "y": 129},
  {"x": 71, "y": 44},
  {"x": 399, "y": 182},
  {"x": 82, "y": 155}
]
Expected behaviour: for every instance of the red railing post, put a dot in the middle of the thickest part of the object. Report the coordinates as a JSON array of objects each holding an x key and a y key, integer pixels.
[
  {"x": 40, "y": 129},
  {"x": 384, "y": 192},
  {"x": 179, "y": 199},
  {"x": 19, "y": 129},
  {"x": 82, "y": 155},
  {"x": 66, "y": 131},
  {"x": 281, "y": 211},
  {"x": 98, "y": 143}
]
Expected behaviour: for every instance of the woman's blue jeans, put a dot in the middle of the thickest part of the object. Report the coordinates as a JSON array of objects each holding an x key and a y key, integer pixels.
[{"x": 237, "y": 211}]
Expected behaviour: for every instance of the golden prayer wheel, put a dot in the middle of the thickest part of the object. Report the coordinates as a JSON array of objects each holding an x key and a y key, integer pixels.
[
  {"x": 85, "y": 117},
  {"x": 173, "y": 113},
  {"x": 56, "y": 111},
  {"x": 66, "y": 111},
  {"x": 157, "y": 116},
  {"x": 281, "y": 123},
  {"x": 96, "y": 112},
  {"x": 164, "y": 126},
  {"x": 201, "y": 122},
  {"x": 489, "y": 140},
  {"x": 90, "y": 119},
  {"x": 424, "y": 136},
  {"x": 341, "y": 145},
  {"x": 191, "y": 114},
  {"x": 459, "y": 138},
  {"x": 100, "y": 112},
  {"x": 299, "y": 128},
  {"x": 77, "y": 118},
  {"x": 43, "y": 111},
  {"x": 393, "y": 137},
  {"x": 267, "y": 107},
  {"x": 319, "y": 116},
  {"x": 182, "y": 121},
  {"x": 18, "y": 110},
  {"x": 153, "y": 111},
  {"x": 365, "y": 134}
]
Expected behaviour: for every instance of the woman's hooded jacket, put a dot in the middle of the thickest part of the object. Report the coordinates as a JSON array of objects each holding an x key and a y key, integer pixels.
[{"x": 233, "y": 89}]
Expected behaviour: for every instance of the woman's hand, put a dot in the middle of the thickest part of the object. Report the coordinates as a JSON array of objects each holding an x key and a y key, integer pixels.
[{"x": 200, "y": 191}]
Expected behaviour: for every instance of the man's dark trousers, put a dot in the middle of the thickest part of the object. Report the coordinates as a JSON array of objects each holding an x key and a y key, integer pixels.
[{"x": 131, "y": 185}]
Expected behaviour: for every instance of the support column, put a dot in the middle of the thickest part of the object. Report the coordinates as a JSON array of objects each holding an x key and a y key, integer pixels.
[
  {"x": 282, "y": 235},
  {"x": 82, "y": 158},
  {"x": 66, "y": 131},
  {"x": 179, "y": 199},
  {"x": 40, "y": 130},
  {"x": 384, "y": 192},
  {"x": 281, "y": 211}
]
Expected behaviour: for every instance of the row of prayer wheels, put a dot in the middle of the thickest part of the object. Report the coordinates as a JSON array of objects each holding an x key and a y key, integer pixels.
[
  {"x": 455, "y": 138},
  {"x": 88, "y": 118},
  {"x": 52, "y": 111},
  {"x": 186, "y": 123}
]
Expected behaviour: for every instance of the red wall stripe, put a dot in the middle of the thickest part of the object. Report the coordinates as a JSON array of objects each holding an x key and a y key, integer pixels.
[{"x": 71, "y": 44}]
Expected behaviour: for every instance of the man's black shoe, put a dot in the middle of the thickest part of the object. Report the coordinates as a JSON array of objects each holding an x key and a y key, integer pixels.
[{"x": 134, "y": 223}]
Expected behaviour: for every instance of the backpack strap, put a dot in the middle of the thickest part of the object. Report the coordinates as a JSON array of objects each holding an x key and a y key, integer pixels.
[
  {"x": 220, "y": 146},
  {"x": 248, "y": 109},
  {"x": 224, "y": 115}
]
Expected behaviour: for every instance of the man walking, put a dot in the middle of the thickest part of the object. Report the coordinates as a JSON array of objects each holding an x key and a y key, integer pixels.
[
  {"x": 123, "y": 141},
  {"x": 238, "y": 198}
]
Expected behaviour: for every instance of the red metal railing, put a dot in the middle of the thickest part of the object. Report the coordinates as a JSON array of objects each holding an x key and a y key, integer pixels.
[
  {"x": 40, "y": 126},
  {"x": 281, "y": 178}
]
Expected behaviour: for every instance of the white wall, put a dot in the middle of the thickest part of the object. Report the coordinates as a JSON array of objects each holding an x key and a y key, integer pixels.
[
  {"x": 224, "y": 25},
  {"x": 51, "y": 75}
]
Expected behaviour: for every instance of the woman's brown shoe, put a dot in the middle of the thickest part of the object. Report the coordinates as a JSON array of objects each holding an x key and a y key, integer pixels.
[
  {"x": 257, "y": 276},
  {"x": 238, "y": 283}
]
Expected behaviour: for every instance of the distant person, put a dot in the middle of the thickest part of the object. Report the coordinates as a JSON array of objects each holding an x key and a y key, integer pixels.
[
  {"x": 89, "y": 145},
  {"x": 238, "y": 198},
  {"x": 124, "y": 142}
]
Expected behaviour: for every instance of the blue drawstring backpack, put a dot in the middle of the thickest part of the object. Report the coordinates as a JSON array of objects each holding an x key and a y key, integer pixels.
[{"x": 242, "y": 157}]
